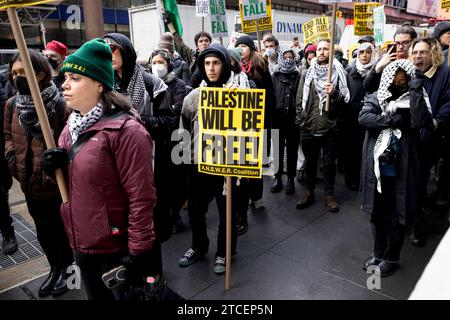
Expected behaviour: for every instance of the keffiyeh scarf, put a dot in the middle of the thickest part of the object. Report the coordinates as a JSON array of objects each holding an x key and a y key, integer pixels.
[
  {"x": 27, "y": 111},
  {"x": 363, "y": 69},
  {"x": 79, "y": 123},
  {"x": 285, "y": 65},
  {"x": 391, "y": 107},
  {"x": 136, "y": 88},
  {"x": 319, "y": 74}
]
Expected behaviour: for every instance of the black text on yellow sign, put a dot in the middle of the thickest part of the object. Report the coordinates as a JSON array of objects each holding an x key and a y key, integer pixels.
[
  {"x": 363, "y": 15},
  {"x": 231, "y": 126},
  {"x": 265, "y": 24},
  {"x": 316, "y": 29},
  {"x": 20, "y": 3},
  {"x": 445, "y": 4}
]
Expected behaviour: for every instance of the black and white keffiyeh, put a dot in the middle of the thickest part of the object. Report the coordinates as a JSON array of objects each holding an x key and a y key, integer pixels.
[
  {"x": 363, "y": 69},
  {"x": 79, "y": 123},
  {"x": 285, "y": 65},
  {"x": 27, "y": 111},
  {"x": 136, "y": 88},
  {"x": 391, "y": 107},
  {"x": 319, "y": 74}
]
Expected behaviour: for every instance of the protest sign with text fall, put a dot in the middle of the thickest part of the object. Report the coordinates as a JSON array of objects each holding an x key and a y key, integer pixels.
[
  {"x": 218, "y": 13},
  {"x": 316, "y": 29}
]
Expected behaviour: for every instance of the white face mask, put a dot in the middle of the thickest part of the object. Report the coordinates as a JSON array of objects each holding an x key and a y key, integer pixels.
[
  {"x": 270, "y": 52},
  {"x": 160, "y": 70}
]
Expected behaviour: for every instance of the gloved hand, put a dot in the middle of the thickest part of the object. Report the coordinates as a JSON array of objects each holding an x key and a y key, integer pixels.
[
  {"x": 418, "y": 82},
  {"x": 166, "y": 18},
  {"x": 52, "y": 159},
  {"x": 138, "y": 266}
]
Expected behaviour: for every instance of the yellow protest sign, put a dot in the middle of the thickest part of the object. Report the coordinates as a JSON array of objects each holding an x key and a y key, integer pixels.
[
  {"x": 21, "y": 3},
  {"x": 363, "y": 15},
  {"x": 445, "y": 4},
  {"x": 249, "y": 26},
  {"x": 316, "y": 29},
  {"x": 231, "y": 130}
]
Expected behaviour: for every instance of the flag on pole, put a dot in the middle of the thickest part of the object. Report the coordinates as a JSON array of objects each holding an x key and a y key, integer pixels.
[{"x": 170, "y": 6}]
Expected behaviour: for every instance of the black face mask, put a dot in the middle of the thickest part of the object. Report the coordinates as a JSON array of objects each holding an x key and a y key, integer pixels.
[
  {"x": 53, "y": 63},
  {"x": 397, "y": 91},
  {"x": 21, "y": 85}
]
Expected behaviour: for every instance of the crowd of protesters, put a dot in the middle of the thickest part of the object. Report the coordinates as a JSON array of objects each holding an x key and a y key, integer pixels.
[{"x": 386, "y": 127}]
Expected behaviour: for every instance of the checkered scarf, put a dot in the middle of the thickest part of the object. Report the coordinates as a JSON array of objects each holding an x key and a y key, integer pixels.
[
  {"x": 363, "y": 69},
  {"x": 285, "y": 65},
  {"x": 319, "y": 74},
  {"x": 79, "y": 123},
  {"x": 136, "y": 88}
]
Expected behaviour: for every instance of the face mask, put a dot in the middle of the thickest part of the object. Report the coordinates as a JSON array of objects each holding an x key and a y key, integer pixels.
[
  {"x": 21, "y": 85},
  {"x": 160, "y": 70},
  {"x": 53, "y": 63},
  {"x": 397, "y": 91},
  {"x": 270, "y": 52}
]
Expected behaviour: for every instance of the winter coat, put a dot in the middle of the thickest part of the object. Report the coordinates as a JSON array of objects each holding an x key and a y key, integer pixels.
[
  {"x": 196, "y": 79},
  {"x": 407, "y": 182},
  {"x": 23, "y": 150},
  {"x": 176, "y": 93},
  {"x": 181, "y": 69},
  {"x": 111, "y": 189},
  {"x": 186, "y": 53},
  {"x": 310, "y": 120},
  {"x": 285, "y": 87},
  {"x": 5, "y": 175}
]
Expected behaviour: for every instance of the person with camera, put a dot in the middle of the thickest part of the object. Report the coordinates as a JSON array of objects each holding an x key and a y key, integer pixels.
[
  {"x": 109, "y": 218},
  {"x": 393, "y": 117}
]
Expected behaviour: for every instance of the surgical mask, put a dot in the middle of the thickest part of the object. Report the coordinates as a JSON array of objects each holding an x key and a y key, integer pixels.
[
  {"x": 53, "y": 63},
  {"x": 160, "y": 70},
  {"x": 270, "y": 52},
  {"x": 21, "y": 85}
]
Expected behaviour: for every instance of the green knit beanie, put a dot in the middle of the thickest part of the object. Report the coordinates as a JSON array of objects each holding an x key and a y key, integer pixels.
[{"x": 94, "y": 60}]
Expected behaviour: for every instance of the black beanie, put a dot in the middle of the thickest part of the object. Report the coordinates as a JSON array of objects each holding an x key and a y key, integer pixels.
[
  {"x": 441, "y": 28},
  {"x": 247, "y": 41}
]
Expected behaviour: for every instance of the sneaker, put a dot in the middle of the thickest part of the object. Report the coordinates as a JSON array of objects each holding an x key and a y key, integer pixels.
[
  {"x": 190, "y": 257},
  {"x": 219, "y": 265}
]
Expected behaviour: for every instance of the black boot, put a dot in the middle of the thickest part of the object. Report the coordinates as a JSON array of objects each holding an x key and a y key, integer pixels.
[
  {"x": 417, "y": 237},
  {"x": 9, "y": 244},
  {"x": 241, "y": 226},
  {"x": 60, "y": 285},
  {"x": 277, "y": 185},
  {"x": 46, "y": 287},
  {"x": 290, "y": 186},
  {"x": 178, "y": 225}
]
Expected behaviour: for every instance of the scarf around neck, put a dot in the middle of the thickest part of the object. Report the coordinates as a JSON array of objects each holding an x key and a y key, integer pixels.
[
  {"x": 363, "y": 69},
  {"x": 246, "y": 67},
  {"x": 285, "y": 65},
  {"x": 79, "y": 123},
  {"x": 27, "y": 111},
  {"x": 136, "y": 87},
  {"x": 319, "y": 74}
]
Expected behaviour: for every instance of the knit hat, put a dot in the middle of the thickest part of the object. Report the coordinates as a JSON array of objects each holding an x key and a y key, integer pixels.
[
  {"x": 247, "y": 41},
  {"x": 166, "y": 42},
  {"x": 441, "y": 28},
  {"x": 58, "y": 47},
  {"x": 236, "y": 54},
  {"x": 311, "y": 48},
  {"x": 94, "y": 60}
]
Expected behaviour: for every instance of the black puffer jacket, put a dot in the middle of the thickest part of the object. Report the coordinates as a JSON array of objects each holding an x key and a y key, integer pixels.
[{"x": 285, "y": 88}]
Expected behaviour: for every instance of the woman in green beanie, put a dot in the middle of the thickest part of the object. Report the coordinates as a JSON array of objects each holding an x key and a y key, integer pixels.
[{"x": 109, "y": 219}]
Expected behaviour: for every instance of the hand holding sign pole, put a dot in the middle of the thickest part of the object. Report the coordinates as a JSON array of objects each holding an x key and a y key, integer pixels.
[{"x": 36, "y": 94}]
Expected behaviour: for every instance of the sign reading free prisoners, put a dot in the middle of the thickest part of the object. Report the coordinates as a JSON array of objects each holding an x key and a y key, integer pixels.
[
  {"x": 231, "y": 123},
  {"x": 249, "y": 26},
  {"x": 20, "y": 3},
  {"x": 363, "y": 13},
  {"x": 445, "y": 4}
]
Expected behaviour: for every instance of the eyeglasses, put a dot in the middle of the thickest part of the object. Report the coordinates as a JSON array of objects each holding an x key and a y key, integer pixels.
[
  {"x": 421, "y": 53},
  {"x": 114, "y": 47},
  {"x": 403, "y": 43}
]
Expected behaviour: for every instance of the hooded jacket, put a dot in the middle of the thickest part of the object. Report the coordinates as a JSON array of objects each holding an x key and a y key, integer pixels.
[{"x": 221, "y": 53}]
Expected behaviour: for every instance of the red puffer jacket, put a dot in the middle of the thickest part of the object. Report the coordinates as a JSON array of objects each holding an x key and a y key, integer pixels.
[{"x": 111, "y": 187}]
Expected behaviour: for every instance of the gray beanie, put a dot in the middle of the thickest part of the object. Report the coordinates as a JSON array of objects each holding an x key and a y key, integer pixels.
[
  {"x": 166, "y": 42},
  {"x": 441, "y": 28},
  {"x": 236, "y": 54}
]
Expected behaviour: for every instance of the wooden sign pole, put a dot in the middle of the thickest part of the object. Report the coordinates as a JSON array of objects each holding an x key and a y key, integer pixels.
[
  {"x": 258, "y": 35},
  {"x": 36, "y": 94},
  {"x": 228, "y": 249},
  {"x": 330, "y": 63}
]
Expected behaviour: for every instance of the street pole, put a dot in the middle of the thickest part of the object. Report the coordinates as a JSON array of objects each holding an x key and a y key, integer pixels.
[
  {"x": 36, "y": 94},
  {"x": 331, "y": 58}
]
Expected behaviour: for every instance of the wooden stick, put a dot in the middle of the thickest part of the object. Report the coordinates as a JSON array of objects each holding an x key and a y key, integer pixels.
[
  {"x": 258, "y": 35},
  {"x": 228, "y": 253},
  {"x": 203, "y": 23},
  {"x": 36, "y": 94},
  {"x": 221, "y": 41},
  {"x": 330, "y": 63}
]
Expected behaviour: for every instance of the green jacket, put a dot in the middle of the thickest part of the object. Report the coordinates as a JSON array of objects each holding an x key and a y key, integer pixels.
[{"x": 310, "y": 119}]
